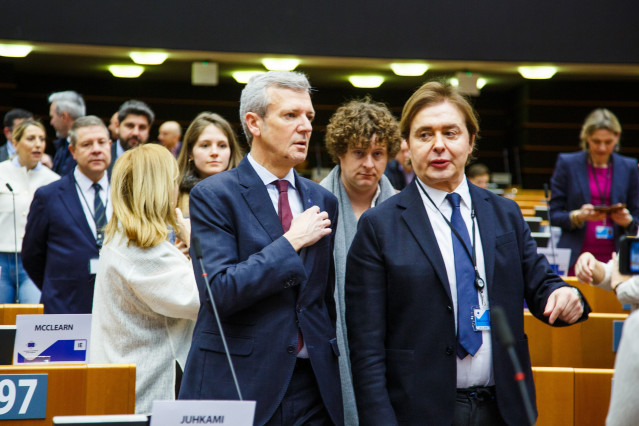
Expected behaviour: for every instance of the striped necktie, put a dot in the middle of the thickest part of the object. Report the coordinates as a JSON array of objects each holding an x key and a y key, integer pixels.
[{"x": 99, "y": 212}]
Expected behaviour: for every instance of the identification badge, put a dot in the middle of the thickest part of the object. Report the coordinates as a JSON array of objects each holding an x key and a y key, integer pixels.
[
  {"x": 93, "y": 266},
  {"x": 603, "y": 232},
  {"x": 481, "y": 319}
]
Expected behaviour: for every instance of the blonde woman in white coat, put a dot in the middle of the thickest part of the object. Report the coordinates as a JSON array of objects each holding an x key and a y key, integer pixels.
[{"x": 145, "y": 300}]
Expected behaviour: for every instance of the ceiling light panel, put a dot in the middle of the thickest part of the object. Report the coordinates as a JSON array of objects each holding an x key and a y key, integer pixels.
[
  {"x": 280, "y": 64},
  {"x": 148, "y": 58},
  {"x": 366, "y": 81}
]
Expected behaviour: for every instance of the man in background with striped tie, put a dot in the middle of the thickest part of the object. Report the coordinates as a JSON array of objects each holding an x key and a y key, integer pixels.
[{"x": 65, "y": 226}]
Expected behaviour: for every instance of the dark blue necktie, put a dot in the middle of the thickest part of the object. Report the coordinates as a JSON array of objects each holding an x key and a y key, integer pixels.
[{"x": 468, "y": 340}]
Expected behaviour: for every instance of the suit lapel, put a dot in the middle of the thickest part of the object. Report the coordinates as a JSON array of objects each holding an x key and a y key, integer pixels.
[
  {"x": 307, "y": 194},
  {"x": 617, "y": 176},
  {"x": 309, "y": 198},
  {"x": 69, "y": 196},
  {"x": 582, "y": 178},
  {"x": 256, "y": 196},
  {"x": 486, "y": 218},
  {"x": 416, "y": 219}
]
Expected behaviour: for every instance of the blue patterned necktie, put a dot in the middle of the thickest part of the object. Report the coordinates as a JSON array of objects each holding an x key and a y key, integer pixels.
[
  {"x": 100, "y": 213},
  {"x": 468, "y": 340}
]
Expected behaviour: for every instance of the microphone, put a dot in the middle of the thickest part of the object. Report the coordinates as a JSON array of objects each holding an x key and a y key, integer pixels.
[
  {"x": 552, "y": 240},
  {"x": 15, "y": 240},
  {"x": 505, "y": 335},
  {"x": 197, "y": 249}
]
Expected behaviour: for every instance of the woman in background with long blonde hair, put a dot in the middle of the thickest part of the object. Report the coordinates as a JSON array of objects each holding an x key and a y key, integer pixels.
[{"x": 146, "y": 300}]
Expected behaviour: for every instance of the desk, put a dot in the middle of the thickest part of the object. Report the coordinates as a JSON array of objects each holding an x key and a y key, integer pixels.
[
  {"x": 586, "y": 344},
  {"x": 600, "y": 300},
  {"x": 8, "y": 312},
  {"x": 87, "y": 389},
  {"x": 572, "y": 396}
]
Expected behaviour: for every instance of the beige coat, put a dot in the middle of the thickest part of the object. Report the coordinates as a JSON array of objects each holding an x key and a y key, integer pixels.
[{"x": 144, "y": 307}]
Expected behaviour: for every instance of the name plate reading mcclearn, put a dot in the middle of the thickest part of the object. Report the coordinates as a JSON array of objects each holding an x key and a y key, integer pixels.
[{"x": 52, "y": 339}]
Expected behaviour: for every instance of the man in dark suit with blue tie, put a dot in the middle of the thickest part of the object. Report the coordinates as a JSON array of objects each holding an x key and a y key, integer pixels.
[
  {"x": 65, "y": 108},
  {"x": 423, "y": 272},
  {"x": 64, "y": 230},
  {"x": 267, "y": 241}
]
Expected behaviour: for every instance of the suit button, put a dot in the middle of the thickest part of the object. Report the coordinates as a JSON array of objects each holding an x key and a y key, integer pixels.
[
  {"x": 449, "y": 350},
  {"x": 298, "y": 308},
  {"x": 450, "y": 308},
  {"x": 290, "y": 349}
]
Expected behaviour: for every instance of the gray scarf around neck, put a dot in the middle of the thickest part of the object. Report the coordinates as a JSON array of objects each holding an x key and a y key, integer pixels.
[{"x": 344, "y": 234}]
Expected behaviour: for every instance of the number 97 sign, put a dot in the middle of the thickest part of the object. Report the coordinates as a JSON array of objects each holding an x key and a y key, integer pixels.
[{"x": 23, "y": 396}]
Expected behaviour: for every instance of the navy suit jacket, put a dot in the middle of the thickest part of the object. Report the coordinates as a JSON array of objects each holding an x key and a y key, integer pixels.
[
  {"x": 399, "y": 313},
  {"x": 57, "y": 247},
  {"x": 114, "y": 156},
  {"x": 63, "y": 161},
  {"x": 4, "y": 152},
  {"x": 262, "y": 289},
  {"x": 395, "y": 175},
  {"x": 571, "y": 189}
]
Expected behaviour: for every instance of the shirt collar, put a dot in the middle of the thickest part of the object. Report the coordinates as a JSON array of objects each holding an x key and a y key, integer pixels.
[
  {"x": 376, "y": 196},
  {"x": 16, "y": 162},
  {"x": 266, "y": 176},
  {"x": 439, "y": 197},
  {"x": 86, "y": 184},
  {"x": 118, "y": 150}
]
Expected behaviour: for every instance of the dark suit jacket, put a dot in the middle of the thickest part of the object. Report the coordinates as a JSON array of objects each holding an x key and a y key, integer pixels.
[
  {"x": 63, "y": 161},
  {"x": 57, "y": 246},
  {"x": 399, "y": 313},
  {"x": 4, "y": 153},
  {"x": 262, "y": 289},
  {"x": 395, "y": 175},
  {"x": 571, "y": 189},
  {"x": 114, "y": 156}
]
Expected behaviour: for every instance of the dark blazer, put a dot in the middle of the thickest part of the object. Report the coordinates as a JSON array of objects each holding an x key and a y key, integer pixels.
[
  {"x": 395, "y": 175},
  {"x": 4, "y": 152},
  {"x": 114, "y": 156},
  {"x": 57, "y": 246},
  {"x": 262, "y": 289},
  {"x": 399, "y": 313},
  {"x": 571, "y": 189},
  {"x": 63, "y": 161}
]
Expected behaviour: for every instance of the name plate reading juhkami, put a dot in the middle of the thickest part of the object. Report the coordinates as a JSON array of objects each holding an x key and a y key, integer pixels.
[
  {"x": 232, "y": 413},
  {"x": 52, "y": 339}
]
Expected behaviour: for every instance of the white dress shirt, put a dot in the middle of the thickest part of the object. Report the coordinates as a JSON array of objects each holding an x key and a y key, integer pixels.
[
  {"x": 294, "y": 199},
  {"x": 473, "y": 370},
  {"x": 86, "y": 193}
]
